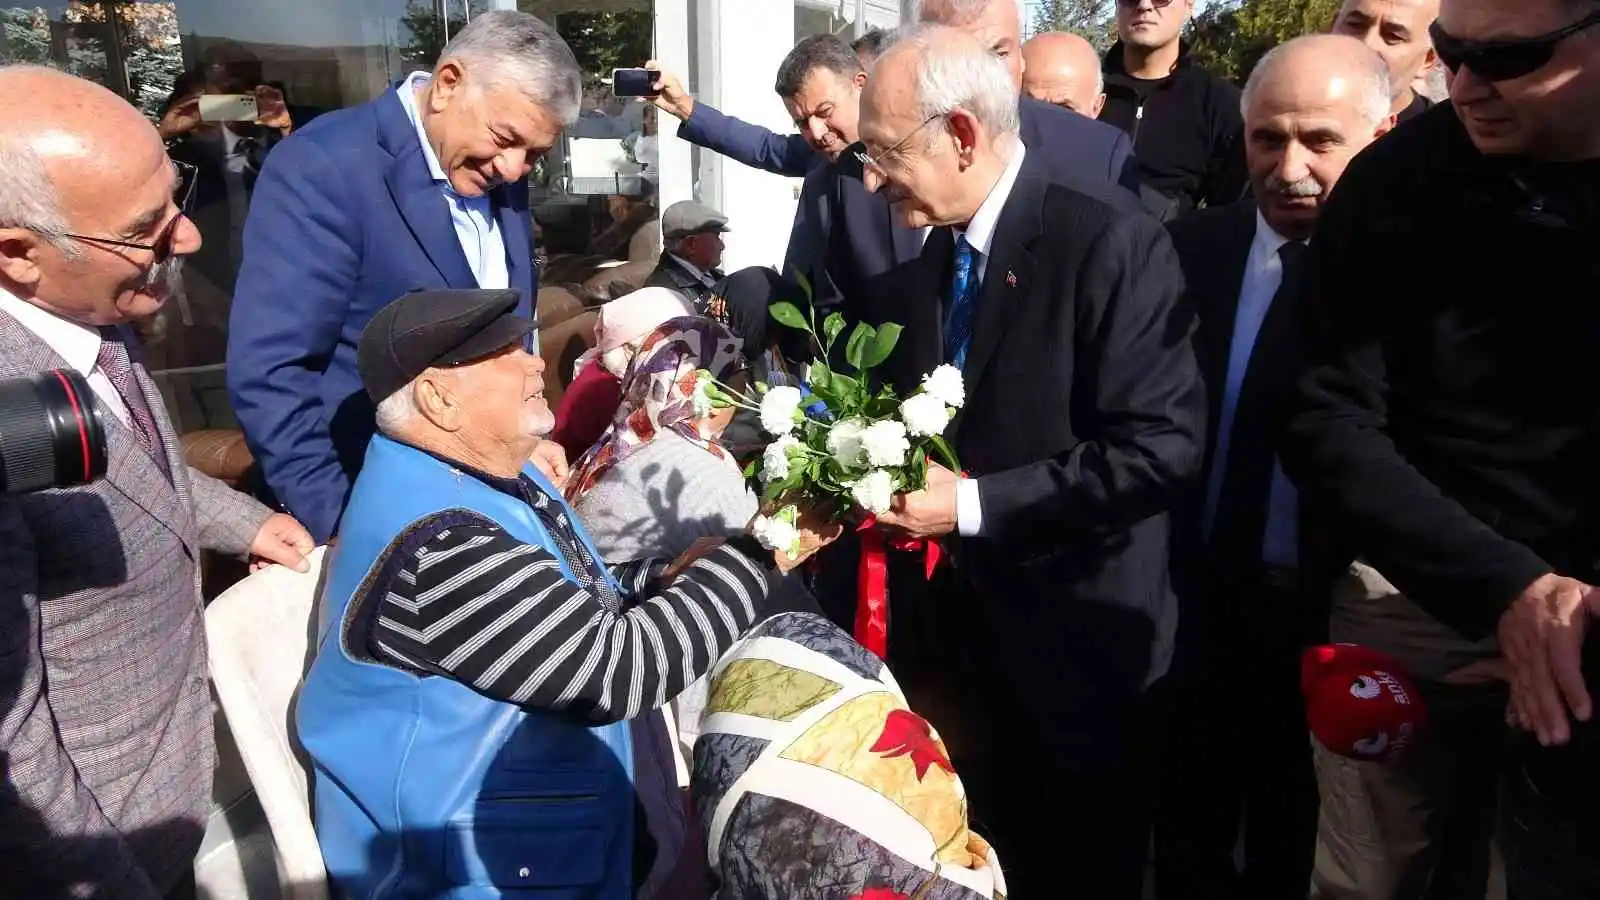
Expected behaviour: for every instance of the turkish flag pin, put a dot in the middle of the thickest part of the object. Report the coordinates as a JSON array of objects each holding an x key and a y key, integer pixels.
[{"x": 1011, "y": 278}]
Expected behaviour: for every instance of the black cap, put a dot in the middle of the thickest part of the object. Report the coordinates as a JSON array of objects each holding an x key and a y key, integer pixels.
[{"x": 435, "y": 328}]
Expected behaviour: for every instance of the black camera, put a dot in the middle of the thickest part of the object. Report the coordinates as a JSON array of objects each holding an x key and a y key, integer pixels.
[{"x": 50, "y": 433}]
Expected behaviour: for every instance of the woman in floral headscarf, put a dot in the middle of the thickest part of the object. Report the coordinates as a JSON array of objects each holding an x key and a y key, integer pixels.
[{"x": 658, "y": 479}]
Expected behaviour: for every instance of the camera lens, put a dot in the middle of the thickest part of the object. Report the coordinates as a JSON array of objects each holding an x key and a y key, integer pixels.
[{"x": 50, "y": 432}]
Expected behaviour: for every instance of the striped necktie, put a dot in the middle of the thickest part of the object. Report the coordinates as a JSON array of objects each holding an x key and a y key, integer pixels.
[
  {"x": 585, "y": 570},
  {"x": 116, "y": 363}
]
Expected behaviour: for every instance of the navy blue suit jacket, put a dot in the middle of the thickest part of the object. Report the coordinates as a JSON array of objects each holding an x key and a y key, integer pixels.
[
  {"x": 345, "y": 219},
  {"x": 1075, "y": 148}
]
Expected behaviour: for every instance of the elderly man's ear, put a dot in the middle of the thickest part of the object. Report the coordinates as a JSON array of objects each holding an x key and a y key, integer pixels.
[
  {"x": 18, "y": 247},
  {"x": 438, "y": 399}
]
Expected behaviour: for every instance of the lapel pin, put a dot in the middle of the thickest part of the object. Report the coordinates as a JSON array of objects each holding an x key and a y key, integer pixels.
[{"x": 1011, "y": 278}]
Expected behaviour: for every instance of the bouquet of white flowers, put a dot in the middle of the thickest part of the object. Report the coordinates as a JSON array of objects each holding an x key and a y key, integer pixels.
[{"x": 837, "y": 445}]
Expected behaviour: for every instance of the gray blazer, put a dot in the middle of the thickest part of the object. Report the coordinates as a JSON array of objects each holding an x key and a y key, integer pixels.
[{"x": 105, "y": 711}]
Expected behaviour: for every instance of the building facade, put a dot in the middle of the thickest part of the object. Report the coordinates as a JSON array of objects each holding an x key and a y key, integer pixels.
[{"x": 596, "y": 196}]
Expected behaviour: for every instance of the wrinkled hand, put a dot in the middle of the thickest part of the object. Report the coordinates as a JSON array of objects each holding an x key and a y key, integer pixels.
[
  {"x": 182, "y": 118},
  {"x": 816, "y": 529},
  {"x": 284, "y": 541},
  {"x": 550, "y": 458},
  {"x": 926, "y": 514},
  {"x": 271, "y": 110},
  {"x": 1542, "y": 635},
  {"x": 670, "y": 96}
]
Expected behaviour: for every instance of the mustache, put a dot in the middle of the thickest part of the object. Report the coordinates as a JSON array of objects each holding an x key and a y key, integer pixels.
[{"x": 1302, "y": 187}]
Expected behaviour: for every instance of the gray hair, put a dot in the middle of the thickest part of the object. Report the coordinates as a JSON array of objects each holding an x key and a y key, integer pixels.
[
  {"x": 819, "y": 51},
  {"x": 959, "y": 12},
  {"x": 520, "y": 50},
  {"x": 1372, "y": 103},
  {"x": 28, "y": 198},
  {"x": 395, "y": 410},
  {"x": 950, "y": 76}
]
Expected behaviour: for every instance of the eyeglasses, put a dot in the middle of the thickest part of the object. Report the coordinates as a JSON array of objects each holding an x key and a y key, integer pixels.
[
  {"x": 858, "y": 150},
  {"x": 1508, "y": 58},
  {"x": 1134, "y": 4},
  {"x": 162, "y": 245}
]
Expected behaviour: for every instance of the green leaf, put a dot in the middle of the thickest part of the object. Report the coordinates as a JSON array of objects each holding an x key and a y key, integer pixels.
[
  {"x": 790, "y": 315},
  {"x": 883, "y": 342},
  {"x": 820, "y": 376},
  {"x": 946, "y": 455},
  {"x": 750, "y": 470},
  {"x": 918, "y": 470},
  {"x": 845, "y": 392},
  {"x": 855, "y": 350},
  {"x": 831, "y": 328}
]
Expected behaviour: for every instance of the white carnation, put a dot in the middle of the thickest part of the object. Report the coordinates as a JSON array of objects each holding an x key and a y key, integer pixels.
[
  {"x": 778, "y": 407},
  {"x": 874, "y": 492},
  {"x": 886, "y": 443},
  {"x": 844, "y": 443},
  {"x": 925, "y": 415},
  {"x": 946, "y": 384},
  {"x": 775, "y": 459},
  {"x": 701, "y": 398},
  {"x": 777, "y": 532}
]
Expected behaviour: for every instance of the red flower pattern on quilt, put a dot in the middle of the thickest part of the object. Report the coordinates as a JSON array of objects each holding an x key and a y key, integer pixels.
[{"x": 907, "y": 734}]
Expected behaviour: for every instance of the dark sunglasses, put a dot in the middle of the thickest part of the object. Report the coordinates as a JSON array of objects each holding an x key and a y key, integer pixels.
[
  {"x": 1503, "y": 60},
  {"x": 1134, "y": 4},
  {"x": 182, "y": 194}
]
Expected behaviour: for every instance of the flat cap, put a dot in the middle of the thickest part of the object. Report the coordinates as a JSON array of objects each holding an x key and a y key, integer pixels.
[
  {"x": 687, "y": 217},
  {"x": 424, "y": 329}
]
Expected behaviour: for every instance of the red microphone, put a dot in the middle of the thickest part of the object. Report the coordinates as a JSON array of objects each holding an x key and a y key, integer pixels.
[{"x": 1360, "y": 703}]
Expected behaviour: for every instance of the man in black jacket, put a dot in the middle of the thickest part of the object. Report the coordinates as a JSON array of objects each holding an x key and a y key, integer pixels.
[
  {"x": 1080, "y": 431},
  {"x": 1450, "y": 414},
  {"x": 1184, "y": 121},
  {"x": 1398, "y": 31}
]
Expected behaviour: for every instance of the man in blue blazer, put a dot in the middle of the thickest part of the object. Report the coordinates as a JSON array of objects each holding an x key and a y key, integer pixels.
[{"x": 421, "y": 188}]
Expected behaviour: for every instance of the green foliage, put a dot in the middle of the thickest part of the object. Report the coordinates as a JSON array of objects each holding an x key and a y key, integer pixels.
[
  {"x": 1092, "y": 20},
  {"x": 1229, "y": 38},
  {"x": 603, "y": 41}
]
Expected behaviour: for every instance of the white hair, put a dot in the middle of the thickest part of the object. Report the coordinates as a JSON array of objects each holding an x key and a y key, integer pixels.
[
  {"x": 395, "y": 410},
  {"x": 1375, "y": 98},
  {"x": 28, "y": 198},
  {"x": 950, "y": 77},
  {"x": 520, "y": 50},
  {"x": 960, "y": 12}
]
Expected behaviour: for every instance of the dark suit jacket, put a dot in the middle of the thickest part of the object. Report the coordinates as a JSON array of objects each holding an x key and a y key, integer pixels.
[
  {"x": 1213, "y": 247},
  {"x": 1084, "y": 427},
  {"x": 670, "y": 274},
  {"x": 345, "y": 218},
  {"x": 1077, "y": 148}
]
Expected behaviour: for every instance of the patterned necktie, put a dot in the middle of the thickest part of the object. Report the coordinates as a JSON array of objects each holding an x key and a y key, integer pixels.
[
  {"x": 116, "y": 363},
  {"x": 963, "y": 297},
  {"x": 585, "y": 570}
]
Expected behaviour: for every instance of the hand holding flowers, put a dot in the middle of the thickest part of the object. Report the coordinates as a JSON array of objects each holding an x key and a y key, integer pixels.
[{"x": 850, "y": 448}]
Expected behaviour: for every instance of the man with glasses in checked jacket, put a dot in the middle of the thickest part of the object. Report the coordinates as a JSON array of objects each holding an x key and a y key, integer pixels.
[
  {"x": 1449, "y": 418},
  {"x": 105, "y": 712}
]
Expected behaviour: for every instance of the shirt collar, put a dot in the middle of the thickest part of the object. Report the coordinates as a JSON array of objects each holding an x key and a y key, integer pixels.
[
  {"x": 407, "y": 90},
  {"x": 692, "y": 269},
  {"x": 1267, "y": 241},
  {"x": 980, "y": 231},
  {"x": 77, "y": 344}
]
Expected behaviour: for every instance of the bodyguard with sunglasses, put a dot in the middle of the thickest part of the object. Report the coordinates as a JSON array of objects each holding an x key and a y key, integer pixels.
[
  {"x": 1449, "y": 419},
  {"x": 105, "y": 714}
]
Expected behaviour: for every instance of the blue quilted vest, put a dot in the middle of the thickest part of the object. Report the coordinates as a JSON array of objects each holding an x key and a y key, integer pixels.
[{"x": 425, "y": 788}]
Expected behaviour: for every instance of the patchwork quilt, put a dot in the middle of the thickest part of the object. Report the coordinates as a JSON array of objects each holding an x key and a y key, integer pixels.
[{"x": 812, "y": 778}]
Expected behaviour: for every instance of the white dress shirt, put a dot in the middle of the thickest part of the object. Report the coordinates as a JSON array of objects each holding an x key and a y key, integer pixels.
[
  {"x": 78, "y": 346},
  {"x": 980, "y": 234},
  {"x": 1263, "y": 274},
  {"x": 473, "y": 217}
]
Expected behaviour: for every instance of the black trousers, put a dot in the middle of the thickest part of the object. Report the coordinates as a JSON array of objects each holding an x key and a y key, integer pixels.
[
  {"x": 1239, "y": 754},
  {"x": 1551, "y": 852},
  {"x": 1064, "y": 803}
]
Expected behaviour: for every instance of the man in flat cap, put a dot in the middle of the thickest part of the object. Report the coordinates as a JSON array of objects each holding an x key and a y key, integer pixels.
[
  {"x": 692, "y": 233},
  {"x": 482, "y": 678}
]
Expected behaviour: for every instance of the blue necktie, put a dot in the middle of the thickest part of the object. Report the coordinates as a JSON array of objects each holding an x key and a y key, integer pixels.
[{"x": 963, "y": 298}]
